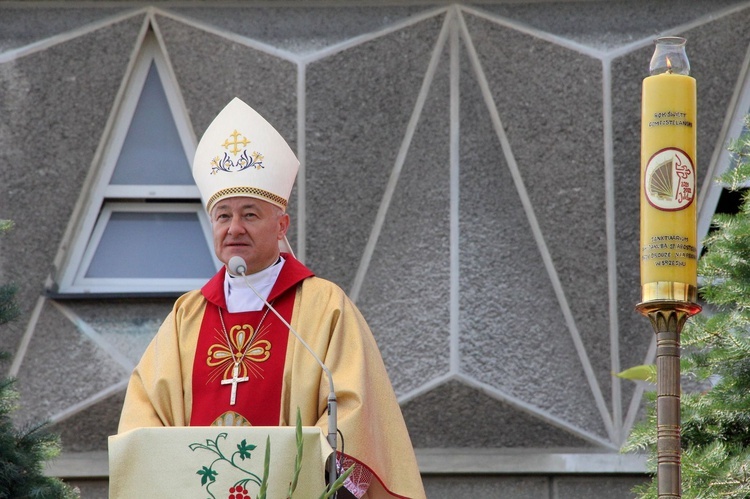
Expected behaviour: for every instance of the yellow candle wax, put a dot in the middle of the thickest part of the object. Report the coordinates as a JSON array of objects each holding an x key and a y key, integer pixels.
[{"x": 668, "y": 188}]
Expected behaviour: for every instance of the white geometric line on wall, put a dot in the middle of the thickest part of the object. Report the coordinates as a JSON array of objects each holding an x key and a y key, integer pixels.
[
  {"x": 89, "y": 402},
  {"x": 537, "y": 412},
  {"x": 536, "y": 231},
  {"x": 227, "y": 35},
  {"x": 367, "y": 37},
  {"x": 674, "y": 30},
  {"x": 301, "y": 216},
  {"x": 92, "y": 334},
  {"x": 611, "y": 234},
  {"x": 23, "y": 346},
  {"x": 175, "y": 90},
  {"x": 534, "y": 32},
  {"x": 66, "y": 36},
  {"x": 455, "y": 218},
  {"x": 426, "y": 387},
  {"x": 515, "y": 402},
  {"x": 627, "y": 49},
  {"x": 399, "y": 162}
]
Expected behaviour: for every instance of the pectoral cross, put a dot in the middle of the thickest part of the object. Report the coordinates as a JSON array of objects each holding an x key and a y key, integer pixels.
[{"x": 235, "y": 379}]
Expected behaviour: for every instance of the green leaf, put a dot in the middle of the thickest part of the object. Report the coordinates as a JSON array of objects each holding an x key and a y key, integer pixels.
[
  {"x": 298, "y": 459},
  {"x": 266, "y": 465},
  {"x": 244, "y": 449},
  {"x": 645, "y": 372},
  {"x": 328, "y": 493},
  {"x": 207, "y": 474}
]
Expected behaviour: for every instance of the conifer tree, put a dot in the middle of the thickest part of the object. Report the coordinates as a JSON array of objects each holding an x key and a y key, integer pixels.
[
  {"x": 716, "y": 354},
  {"x": 23, "y": 452}
]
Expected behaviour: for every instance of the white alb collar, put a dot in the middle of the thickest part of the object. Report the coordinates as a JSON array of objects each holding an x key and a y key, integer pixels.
[{"x": 240, "y": 298}]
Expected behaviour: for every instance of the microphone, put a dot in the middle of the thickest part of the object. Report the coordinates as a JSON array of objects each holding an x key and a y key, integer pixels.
[{"x": 237, "y": 266}]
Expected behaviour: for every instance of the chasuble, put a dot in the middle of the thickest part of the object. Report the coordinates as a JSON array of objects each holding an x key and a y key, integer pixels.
[{"x": 207, "y": 366}]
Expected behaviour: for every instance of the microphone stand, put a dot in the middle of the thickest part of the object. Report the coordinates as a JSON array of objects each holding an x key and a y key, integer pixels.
[{"x": 238, "y": 267}]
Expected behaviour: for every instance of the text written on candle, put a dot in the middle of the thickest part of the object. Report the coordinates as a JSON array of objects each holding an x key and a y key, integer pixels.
[
  {"x": 669, "y": 250},
  {"x": 670, "y": 118}
]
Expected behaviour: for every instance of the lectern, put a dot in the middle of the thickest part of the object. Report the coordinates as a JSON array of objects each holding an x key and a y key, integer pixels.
[{"x": 216, "y": 461}]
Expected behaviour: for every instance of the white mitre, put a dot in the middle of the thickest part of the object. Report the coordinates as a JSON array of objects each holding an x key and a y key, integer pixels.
[{"x": 241, "y": 154}]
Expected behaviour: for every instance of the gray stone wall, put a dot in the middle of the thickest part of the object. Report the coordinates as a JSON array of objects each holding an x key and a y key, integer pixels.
[{"x": 470, "y": 175}]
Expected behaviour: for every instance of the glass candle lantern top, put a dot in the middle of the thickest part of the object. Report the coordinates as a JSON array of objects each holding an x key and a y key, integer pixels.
[{"x": 670, "y": 57}]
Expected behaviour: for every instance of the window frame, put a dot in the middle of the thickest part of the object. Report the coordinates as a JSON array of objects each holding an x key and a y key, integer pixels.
[{"x": 86, "y": 285}]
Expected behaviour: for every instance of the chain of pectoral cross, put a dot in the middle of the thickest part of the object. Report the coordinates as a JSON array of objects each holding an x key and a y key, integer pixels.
[{"x": 235, "y": 379}]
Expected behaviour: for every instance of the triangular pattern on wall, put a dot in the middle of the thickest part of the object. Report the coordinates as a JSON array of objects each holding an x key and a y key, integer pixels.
[
  {"x": 302, "y": 29},
  {"x": 481, "y": 421}
]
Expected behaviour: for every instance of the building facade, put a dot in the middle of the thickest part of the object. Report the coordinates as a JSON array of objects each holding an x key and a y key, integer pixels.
[{"x": 469, "y": 175}]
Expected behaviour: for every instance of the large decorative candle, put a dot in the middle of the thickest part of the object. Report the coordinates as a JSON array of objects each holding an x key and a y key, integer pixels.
[{"x": 668, "y": 177}]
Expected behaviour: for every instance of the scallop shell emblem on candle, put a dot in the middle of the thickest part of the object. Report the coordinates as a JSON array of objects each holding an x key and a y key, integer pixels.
[{"x": 670, "y": 180}]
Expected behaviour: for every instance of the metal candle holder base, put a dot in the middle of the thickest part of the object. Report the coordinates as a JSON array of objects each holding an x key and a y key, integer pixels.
[{"x": 667, "y": 318}]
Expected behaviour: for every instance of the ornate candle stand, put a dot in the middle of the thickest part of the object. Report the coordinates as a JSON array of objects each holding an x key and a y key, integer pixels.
[
  {"x": 667, "y": 317},
  {"x": 668, "y": 236}
]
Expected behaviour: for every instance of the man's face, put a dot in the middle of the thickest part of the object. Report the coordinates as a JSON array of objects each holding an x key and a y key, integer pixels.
[{"x": 250, "y": 228}]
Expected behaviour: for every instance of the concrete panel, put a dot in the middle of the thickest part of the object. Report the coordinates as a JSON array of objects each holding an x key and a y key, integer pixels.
[
  {"x": 24, "y": 26},
  {"x": 605, "y": 25},
  {"x": 466, "y": 417},
  {"x": 301, "y": 29},
  {"x": 406, "y": 293},
  {"x": 358, "y": 106},
  {"x": 61, "y": 368},
  {"x": 88, "y": 430},
  {"x": 55, "y": 105},
  {"x": 542, "y": 91},
  {"x": 513, "y": 333},
  {"x": 127, "y": 325}
]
